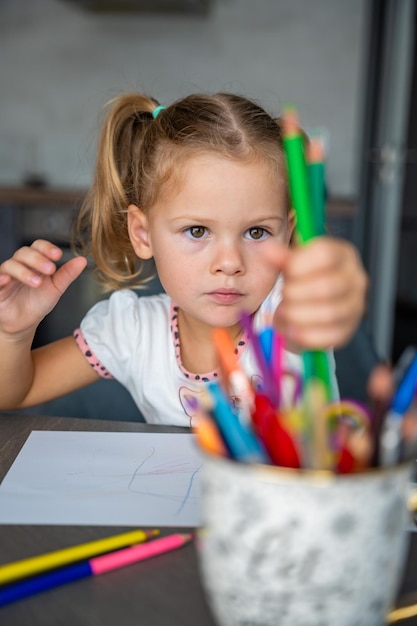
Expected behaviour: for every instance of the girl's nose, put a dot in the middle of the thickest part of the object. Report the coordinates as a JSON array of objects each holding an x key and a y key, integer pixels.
[{"x": 228, "y": 259}]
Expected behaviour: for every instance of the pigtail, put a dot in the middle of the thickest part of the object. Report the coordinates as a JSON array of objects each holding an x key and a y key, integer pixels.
[{"x": 101, "y": 228}]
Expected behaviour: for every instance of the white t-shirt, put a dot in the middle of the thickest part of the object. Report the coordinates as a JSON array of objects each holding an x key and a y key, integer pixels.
[{"x": 135, "y": 340}]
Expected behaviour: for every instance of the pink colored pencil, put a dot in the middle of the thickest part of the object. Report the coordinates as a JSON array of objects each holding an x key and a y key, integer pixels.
[
  {"x": 278, "y": 362},
  {"x": 114, "y": 560}
]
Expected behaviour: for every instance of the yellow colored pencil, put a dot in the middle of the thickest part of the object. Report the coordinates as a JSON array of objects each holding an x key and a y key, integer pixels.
[
  {"x": 314, "y": 404},
  {"x": 58, "y": 558}
]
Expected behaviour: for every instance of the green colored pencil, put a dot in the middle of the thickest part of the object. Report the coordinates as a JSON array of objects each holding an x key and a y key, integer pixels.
[
  {"x": 297, "y": 176},
  {"x": 315, "y": 168},
  {"x": 309, "y": 215}
]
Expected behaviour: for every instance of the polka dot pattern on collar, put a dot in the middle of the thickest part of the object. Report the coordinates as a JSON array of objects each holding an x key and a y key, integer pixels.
[{"x": 205, "y": 378}]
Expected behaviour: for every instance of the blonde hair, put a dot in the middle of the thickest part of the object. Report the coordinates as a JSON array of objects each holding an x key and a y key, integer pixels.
[{"x": 140, "y": 157}]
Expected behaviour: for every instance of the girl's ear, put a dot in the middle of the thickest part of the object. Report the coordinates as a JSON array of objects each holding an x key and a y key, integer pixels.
[
  {"x": 138, "y": 228},
  {"x": 290, "y": 226}
]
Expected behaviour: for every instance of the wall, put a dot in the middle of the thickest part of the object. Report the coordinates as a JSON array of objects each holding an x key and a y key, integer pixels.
[{"x": 60, "y": 64}]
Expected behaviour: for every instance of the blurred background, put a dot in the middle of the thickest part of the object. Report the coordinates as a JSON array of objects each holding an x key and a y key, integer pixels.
[{"x": 347, "y": 66}]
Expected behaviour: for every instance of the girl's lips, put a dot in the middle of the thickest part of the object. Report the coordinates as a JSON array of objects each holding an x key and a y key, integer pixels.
[{"x": 225, "y": 296}]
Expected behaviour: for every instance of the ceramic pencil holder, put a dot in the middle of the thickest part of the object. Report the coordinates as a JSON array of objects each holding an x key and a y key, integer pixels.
[{"x": 302, "y": 548}]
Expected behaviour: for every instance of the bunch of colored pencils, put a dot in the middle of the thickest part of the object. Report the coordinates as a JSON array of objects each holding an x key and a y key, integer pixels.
[
  {"x": 263, "y": 427},
  {"x": 342, "y": 436},
  {"x": 315, "y": 431}
]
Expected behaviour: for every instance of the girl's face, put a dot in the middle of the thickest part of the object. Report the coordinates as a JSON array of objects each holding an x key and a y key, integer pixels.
[{"x": 207, "y": 238}]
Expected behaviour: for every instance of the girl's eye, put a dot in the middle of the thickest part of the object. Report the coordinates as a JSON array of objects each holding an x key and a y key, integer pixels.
[
  {"x": 256, "y": 233},
  {"x": 196, "y": 232}
]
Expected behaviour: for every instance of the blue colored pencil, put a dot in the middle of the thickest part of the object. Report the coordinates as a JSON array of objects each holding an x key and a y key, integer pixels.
[{"x": 240, "y": 440}]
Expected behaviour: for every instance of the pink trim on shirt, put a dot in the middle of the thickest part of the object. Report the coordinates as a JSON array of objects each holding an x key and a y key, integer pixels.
[
  {"x": 205, "y": 378},
  {"x": 89, "y": 355}
]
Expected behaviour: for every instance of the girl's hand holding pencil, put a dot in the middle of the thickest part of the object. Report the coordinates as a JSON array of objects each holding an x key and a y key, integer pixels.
[
  {"x": 323, "y": 294},
  {"x": 323, "y": 297}
]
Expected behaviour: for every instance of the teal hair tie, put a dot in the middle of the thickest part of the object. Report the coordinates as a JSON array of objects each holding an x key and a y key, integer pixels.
[{"x": 157, "y": 111}]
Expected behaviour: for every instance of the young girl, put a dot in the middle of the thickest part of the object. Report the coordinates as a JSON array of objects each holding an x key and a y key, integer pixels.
[{"x": 199, "y": 187}]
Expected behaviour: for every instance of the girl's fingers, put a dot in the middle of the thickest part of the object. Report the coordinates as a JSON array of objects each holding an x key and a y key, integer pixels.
[
  {"x": 47, "y": 248},
  {"x": 17, "y": 271},
  {"x": 4, "y": 279},
  {"x": 319, "y": 324},
  {"x": 320, "y": 337},
  {"x": 325, "y": 267},
  {"x": 323, "y": 287},
  {"x": 307, "y": 330},
  {"x": 326, "y": 296},
  {"x": 319, "y": 312},
  {"x": 68, "y": 273},
  {"x": 61, "y": 278},
  {"x": 326, "y": 318},
  {"x": 321, "y": 254},
  {"x": 323, "y": 296},
  {"x": 29, "y": 263},
  {"x": 34, "y": 260}
]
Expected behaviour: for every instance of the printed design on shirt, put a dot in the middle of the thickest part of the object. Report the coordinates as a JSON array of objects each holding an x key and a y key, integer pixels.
[
  {"x": 191, "y": 399},
  {"x": 89, "y": 355}
]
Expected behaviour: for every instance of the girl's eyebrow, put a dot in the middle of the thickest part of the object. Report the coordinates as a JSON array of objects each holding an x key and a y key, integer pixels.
[{"x": 202, "y": 218}]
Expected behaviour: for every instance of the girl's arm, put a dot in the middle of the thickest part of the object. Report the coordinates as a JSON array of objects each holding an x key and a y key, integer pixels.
[
  {"x": 57, "y": 369},
  {"x": 30, "y": 287}
]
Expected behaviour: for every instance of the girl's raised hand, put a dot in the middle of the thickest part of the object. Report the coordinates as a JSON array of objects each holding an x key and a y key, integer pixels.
[
  {"x": 324, "y": 293},
  {"x": 31, "y": 285}
]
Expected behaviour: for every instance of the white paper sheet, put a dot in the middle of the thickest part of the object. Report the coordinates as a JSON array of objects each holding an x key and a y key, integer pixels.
[{"x": 104, "y": 478}]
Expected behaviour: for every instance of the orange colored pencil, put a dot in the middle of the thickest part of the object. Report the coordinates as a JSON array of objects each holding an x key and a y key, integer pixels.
[
  {"x": 237, "y": 381},
  {"x": 208, "y": 436}
]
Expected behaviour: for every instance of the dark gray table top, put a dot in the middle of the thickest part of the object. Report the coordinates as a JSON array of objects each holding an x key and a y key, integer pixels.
[{"x": 163, "y": 591}]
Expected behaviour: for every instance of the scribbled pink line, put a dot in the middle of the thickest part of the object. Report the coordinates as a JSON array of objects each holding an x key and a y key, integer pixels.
[{"x": 171, "y": 469}]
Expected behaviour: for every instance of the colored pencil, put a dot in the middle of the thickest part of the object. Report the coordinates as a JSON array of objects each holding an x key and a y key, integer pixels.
[
  {"x": 316, "y": 363},
  {"x": 380, "y": 390},
  {"x": 266, "y": 372},
  {"x": 315, "y": 170},
  {"x": 236, "y": 379},
  {"x": 391, "y": 436},
  {"x": 58, "y": 558},
  {"x": 208, "y": 436},
  {"x": 314, "y": 401},
  {"x": 278, "y": 442},
  {"x": 316, "y": 366},
  {"x": 239, "y": 437},
  {"x": 93, "y": 567},
  {"x": 278, "y": 364},
  {"x": 294, "y": 148}
]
